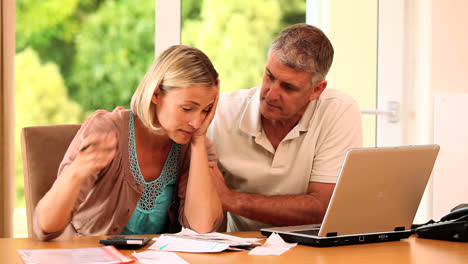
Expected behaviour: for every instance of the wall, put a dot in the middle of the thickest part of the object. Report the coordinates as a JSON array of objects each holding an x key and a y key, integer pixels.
[
  {"x": 449, "y": 71},
  {"x": 449, "y": 67},
  {"x": 436, "y": 61}
]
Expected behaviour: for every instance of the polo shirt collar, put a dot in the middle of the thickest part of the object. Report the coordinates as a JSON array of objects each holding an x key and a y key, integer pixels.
[{"x": 304, "y": 122}]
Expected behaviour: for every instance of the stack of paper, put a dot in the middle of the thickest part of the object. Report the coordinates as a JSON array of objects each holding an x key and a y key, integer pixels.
[{"x": 190, "y": 241}]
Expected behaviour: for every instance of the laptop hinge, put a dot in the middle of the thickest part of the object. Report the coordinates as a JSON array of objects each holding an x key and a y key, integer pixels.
[
  {"x": 330, "y": 234},
  {"x": 399, "y": 228}
]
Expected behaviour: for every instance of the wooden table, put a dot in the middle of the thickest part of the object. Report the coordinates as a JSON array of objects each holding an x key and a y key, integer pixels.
[{"x": 412, "y": 250}]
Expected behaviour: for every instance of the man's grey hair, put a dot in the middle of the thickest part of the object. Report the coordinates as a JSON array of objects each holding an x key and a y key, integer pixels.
[{"x": 304, "y": 48}]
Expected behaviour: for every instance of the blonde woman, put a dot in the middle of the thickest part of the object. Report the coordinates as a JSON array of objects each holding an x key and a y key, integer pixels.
[{"x": 144, "y": 170}]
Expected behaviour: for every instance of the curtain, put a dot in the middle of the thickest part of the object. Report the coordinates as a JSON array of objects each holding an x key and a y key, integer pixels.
[{"x": 7, "y": 150}]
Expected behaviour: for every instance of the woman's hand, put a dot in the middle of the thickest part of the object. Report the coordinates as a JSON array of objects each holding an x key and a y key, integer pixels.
[
  {"x": 202, "y": 208},
  {"x": 95, "y": 153},
  {"x": 201, "y": 131}
]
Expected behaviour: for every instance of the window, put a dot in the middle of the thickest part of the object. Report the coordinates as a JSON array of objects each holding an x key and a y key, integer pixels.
[
  {"x": 352, "y": 27},
  {"x": 236, "y": 34},
  {"x": 73, "y": 57}
]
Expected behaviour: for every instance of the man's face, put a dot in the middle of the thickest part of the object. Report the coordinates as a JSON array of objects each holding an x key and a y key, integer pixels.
[{"x": 285, "y": 92}]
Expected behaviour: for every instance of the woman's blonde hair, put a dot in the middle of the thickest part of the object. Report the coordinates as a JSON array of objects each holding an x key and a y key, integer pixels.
[{"x": 178, "y": 66}]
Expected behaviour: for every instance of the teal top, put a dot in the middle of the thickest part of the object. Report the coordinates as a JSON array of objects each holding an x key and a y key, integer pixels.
[{"x": 150, "y": 215}]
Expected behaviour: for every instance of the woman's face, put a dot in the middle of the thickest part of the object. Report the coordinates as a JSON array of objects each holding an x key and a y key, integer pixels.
[{"x": 181, "y": 111}]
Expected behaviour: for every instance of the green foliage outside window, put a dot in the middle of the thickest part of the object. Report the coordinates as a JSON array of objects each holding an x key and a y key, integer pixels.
[
  {"x": 235, "y": 35},
  {"x": 114, "y": 48},
  {"x": 49, "y": 27}
]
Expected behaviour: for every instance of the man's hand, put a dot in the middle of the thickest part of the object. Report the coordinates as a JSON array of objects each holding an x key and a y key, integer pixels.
[
  {"x": 222, "y": 189},
  {"x": 275, "y": 210}
]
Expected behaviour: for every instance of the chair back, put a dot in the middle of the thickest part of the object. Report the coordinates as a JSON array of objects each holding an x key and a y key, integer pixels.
[{"x": 42, "y": 148}]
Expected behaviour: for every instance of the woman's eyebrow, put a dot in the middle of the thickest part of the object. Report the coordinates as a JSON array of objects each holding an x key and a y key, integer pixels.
[{"x": 192, "y": 102}]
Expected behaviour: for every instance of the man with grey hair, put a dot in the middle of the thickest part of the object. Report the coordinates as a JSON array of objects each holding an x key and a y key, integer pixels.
[{"x": 281, "y": 145}]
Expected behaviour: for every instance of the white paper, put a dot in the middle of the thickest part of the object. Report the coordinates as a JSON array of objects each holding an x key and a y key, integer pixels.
[
  {"x": 172, "y": 243},
  {"x": 158, "y": 257},
  {"x": 190, "y": 241},
  {"x": 274, "y": 245},
  {"x": 216, "y": 237}
]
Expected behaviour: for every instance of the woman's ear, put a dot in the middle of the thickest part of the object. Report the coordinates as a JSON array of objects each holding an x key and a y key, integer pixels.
[
  {"x": 217, "y": 86},
  {"x": 155, "y": 96}
]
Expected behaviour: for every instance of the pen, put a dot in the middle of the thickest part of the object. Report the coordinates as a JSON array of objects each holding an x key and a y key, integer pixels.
[
  {"x": 214, "y": 246},
  {"x": 162, "y": 247}
]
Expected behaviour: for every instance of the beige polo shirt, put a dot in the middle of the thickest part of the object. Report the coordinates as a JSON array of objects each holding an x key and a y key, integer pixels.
[{"x": 312, "y": 151}]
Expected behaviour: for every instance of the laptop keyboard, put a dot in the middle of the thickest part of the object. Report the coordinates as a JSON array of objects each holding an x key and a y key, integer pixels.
[{"x": 312, "y": 232}]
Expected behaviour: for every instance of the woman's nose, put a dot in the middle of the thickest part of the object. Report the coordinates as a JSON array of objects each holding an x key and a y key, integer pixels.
[{"x": 196, "y": 122}]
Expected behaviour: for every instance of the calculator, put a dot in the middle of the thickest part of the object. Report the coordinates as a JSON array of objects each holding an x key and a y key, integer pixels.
[{"x": 125, "y": 242}]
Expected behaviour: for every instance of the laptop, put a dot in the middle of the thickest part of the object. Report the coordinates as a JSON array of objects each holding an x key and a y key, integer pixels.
[{"x": 375, "y": 199}]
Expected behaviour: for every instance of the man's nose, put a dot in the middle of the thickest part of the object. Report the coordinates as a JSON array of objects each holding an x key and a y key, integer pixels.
[{"x": 273, "y": 92}]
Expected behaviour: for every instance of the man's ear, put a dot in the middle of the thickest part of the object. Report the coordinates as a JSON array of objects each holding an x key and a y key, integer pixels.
[{"x": 318, "y": 89}]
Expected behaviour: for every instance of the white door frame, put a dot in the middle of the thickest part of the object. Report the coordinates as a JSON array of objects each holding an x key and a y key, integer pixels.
[{"x": 168, "y": 25}]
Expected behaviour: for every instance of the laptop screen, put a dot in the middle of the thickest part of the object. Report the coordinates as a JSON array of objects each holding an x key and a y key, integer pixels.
[{"x": 379, "y": 189}]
